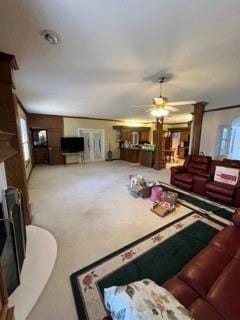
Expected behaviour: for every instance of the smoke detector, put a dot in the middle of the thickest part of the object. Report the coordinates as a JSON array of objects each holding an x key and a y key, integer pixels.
[{"x": 50, "y": 36}]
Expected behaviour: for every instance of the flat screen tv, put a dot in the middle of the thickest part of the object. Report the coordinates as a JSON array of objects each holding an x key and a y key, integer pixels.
[{"x": 72, "y": 144}]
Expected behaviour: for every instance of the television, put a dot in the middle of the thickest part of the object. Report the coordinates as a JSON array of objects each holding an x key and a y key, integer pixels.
[{"x": 72, "y": 144}]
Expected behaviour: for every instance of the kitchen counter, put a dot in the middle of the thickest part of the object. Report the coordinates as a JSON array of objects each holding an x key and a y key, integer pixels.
[
  {"x": 130, "y": 154},
  {"x": 146, "y": 158}
]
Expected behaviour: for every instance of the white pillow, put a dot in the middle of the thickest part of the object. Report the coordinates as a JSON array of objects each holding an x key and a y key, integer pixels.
[
  {"x": 226, "y": 175},
  {"x": 143, "y": 300}
]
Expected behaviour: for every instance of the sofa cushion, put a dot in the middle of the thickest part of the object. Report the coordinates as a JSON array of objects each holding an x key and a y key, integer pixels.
[
  {"x": 198, "y": 164},
  {"x": 220, "y": 188},
  {"x": 195, "y": 167},
  {"x": 181, "y": 291},
  {"x": 201, "y": 272},
  {"x": 185, "y": 177},
  {"x": 231, "y": 163},
  {"x": 201, "y": 310},
  {"x": 224, "y": 294},
  {"x": 228, "y": 240},
  {"x": 219, "y": 197},
  {"x": 183, "y": 185}
]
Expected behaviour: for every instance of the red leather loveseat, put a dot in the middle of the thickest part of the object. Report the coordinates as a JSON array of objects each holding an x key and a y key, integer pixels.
[
  {"x": 184, "y": 176},
  {"x": 217, "y": 191},
  {"x": 209, "y": 285}
]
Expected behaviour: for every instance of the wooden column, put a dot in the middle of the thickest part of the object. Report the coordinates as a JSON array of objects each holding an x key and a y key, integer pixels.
[
  {"x": 199, "y": 108},
  {"x": 159, "y": 162},
  {"x": 9, "y": 124}
]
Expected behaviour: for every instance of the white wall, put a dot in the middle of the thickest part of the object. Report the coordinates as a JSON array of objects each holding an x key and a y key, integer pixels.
[
  {"x": 211, "y": 122},
  {"x": 71, "y": 126}
]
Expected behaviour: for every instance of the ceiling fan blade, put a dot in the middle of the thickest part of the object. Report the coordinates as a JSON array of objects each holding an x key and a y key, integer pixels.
[
  {"x": 181, "y": 103},
  {"x": 143, "y": 106},
  {"x": 170, "y": 108},
  {"x": 150, "y": 109}
]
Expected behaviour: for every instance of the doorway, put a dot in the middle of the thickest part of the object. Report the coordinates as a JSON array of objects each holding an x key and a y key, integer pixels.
[{"x": 94, "y": 144}]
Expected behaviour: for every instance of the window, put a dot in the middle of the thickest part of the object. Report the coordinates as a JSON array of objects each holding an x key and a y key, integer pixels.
[
  {"x": 223, "y": 144},
  {"x": 25, "y": 142}
]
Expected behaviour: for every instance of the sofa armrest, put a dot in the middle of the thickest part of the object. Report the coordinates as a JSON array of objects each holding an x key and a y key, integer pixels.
[
  {"x": 205, "y": 175},
  {"x": 237, "y": 197},
  {"x": 199, "y": 184},
  {"x": 236, "y": 218},
  {"x": 178, "y": 169},
  {"x": 175, "y": 171}
]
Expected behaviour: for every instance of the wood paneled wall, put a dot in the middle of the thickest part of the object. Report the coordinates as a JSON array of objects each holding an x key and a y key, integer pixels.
[
  {"x": 45, "y": 121},
  {"x": 9, "y": 123},
  {"x": 54, "y": 126}
]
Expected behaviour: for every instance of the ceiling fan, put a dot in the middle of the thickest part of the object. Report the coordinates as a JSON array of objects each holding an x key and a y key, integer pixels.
[{"x": 160, "y": 106}]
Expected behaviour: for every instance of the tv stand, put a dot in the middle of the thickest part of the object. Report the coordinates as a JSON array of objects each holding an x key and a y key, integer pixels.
[{"x": 81, "y": 158}]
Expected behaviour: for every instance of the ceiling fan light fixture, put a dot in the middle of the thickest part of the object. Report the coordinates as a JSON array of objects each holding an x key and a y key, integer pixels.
[
  {"x": 159, "y": 112},
  {"x": 158, "y": 101}
]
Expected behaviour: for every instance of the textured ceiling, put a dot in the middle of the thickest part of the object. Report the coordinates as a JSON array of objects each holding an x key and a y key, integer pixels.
[{"x": 110, "y": 48}]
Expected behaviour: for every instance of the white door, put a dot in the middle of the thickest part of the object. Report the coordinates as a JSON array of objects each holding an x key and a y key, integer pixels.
[
  {"x": 87, "y": 144},
  {"x": 94, "y": 144}
]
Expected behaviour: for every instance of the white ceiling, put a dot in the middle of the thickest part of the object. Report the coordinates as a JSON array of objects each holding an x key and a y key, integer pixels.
[{"x": 109, "y": 47}]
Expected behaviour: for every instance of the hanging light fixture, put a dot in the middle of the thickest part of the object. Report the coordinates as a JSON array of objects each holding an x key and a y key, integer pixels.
[{"x": 159, "y": 112}]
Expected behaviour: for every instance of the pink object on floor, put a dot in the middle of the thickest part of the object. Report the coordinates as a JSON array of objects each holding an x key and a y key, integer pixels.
[{"x": 156, "y": 194}]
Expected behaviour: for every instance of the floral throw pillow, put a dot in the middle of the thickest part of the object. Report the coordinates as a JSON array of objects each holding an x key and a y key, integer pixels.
[{"x": 143, "y": 300}]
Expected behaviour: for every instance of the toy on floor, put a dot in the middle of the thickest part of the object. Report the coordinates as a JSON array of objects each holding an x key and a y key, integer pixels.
[{"x": 166, "y": 205}]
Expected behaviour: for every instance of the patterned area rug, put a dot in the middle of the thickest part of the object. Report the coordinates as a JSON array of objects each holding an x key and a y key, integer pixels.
[{"x": 157, "y": 256}]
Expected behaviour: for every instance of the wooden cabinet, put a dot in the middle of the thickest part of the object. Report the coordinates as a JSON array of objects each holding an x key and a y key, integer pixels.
[
  {"x": 54, "y": 147},
  {"x": 144, "y": 136},
  {"x": 184, "y": 137},
  {"x": 183, "y": 152},
  {"x": 126, "y": 135},
  {"x": 54, "y": 127},
  {"x": 130, "y": 155},
  {"x": 40, "y": 155},
  {"x": 146, "y": 158},
  {"x": 124, "y": 154}
]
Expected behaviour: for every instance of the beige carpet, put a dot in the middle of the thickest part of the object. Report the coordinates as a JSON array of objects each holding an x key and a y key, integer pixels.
[{"x": 91, "y": 214}]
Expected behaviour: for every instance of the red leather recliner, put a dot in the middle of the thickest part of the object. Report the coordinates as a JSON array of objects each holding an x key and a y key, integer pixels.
[
  {"x": 222, "y": 192},
  {"x": 217, "y": 191},
  {"x": 183, "y": 176}
]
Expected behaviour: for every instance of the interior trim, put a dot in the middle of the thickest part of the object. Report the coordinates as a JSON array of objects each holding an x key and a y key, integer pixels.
[{"x": 223, "y": 108}]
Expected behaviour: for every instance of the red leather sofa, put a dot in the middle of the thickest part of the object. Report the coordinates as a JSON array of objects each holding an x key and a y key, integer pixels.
[
  {"x": 197, "y": 175},
  {"x": 184, "y": 176},
  {"x": 209, "y": 285},
  {"x": 217, "y": 191}
]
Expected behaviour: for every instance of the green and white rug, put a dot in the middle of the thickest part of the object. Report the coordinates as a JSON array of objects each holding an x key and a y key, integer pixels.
[{"x": 157, "y": 256}]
